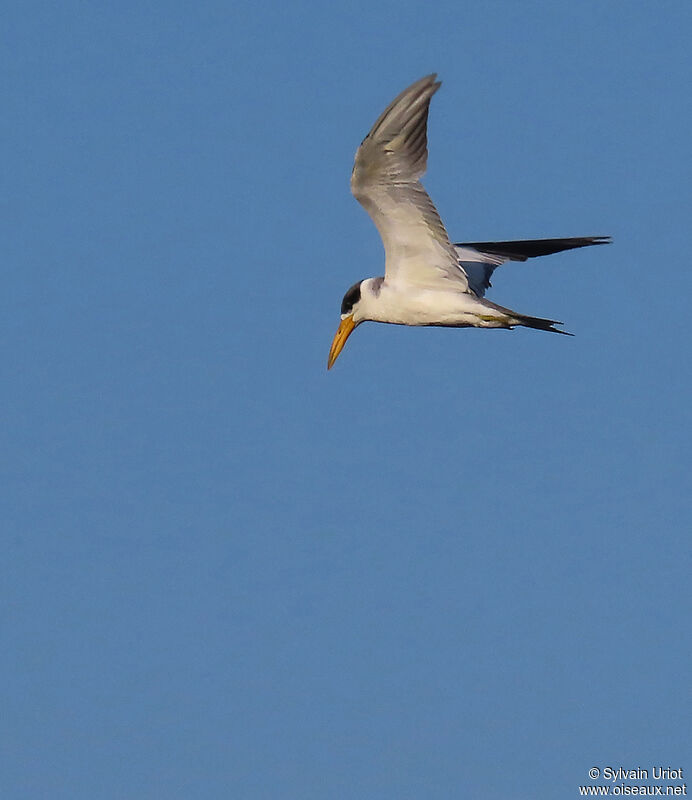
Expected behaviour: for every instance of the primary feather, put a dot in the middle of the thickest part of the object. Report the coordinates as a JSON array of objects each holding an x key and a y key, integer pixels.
[{"x": 385, "y": 180}]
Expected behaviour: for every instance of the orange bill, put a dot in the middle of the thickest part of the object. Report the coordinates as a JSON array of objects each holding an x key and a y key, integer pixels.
[{"x": 344, "y": 331}]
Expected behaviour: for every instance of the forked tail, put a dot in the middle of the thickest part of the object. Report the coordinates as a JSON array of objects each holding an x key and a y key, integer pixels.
[
  {"x": 540, "y": 324},
  {"x": 513, "y": 318}
]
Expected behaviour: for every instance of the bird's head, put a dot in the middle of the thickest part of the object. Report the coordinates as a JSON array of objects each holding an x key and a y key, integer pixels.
[{"x": 350, "y": 318}]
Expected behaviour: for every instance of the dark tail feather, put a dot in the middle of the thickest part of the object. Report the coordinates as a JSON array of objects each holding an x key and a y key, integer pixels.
[
  {"x": 530, "y": 248},
  {"x": 541, "y": 324},
  {"x": 514, "y": 318}
]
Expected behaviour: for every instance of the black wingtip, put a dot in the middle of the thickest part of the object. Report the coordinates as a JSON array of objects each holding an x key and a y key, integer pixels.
[{"x": 523, "y": 249}]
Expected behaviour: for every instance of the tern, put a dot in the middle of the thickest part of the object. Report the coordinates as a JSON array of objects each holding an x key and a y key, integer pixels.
[{"x": 428, "y": 280}]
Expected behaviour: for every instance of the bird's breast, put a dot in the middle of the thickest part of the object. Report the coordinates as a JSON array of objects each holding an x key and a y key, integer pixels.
[{"x": 415, "y": 306}]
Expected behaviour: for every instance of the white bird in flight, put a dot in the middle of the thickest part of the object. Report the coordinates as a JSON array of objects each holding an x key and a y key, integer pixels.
[{"x": 428, "y": 280}]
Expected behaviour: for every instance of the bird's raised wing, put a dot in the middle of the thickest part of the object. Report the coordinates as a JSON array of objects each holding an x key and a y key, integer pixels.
[
  {"x": 385, "y": 180},
  {"x": 480, "y": 259}
]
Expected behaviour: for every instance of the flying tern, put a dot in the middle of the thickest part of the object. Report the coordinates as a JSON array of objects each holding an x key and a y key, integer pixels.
[{"x": 428, "y": 280}]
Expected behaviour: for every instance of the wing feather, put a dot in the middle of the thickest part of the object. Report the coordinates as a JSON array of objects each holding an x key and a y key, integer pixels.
[
  {"x": 385, "y": 180},
  {"x": 480, "y": 259}
]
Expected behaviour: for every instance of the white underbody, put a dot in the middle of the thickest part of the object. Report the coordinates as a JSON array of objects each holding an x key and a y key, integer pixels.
[{"x": 412, "y": 305}]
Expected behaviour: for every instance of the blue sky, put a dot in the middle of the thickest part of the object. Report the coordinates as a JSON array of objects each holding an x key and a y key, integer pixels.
[{"x": 455, "y": 566}]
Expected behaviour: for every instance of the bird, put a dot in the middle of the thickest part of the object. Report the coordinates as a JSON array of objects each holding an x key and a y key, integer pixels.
[{"x": 428, "y": 279}]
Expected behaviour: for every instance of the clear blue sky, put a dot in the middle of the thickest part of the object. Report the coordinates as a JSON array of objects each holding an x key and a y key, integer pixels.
[{"x": 458, "y": 565}]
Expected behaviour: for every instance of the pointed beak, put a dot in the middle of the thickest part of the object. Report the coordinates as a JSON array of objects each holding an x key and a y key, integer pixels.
[{"x": 344, "y": 331}]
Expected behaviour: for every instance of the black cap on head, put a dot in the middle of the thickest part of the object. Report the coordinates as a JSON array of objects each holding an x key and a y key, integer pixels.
[{"x": 351, "y": 297}]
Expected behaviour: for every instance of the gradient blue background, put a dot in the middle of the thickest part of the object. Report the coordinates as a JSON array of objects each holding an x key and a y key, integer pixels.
[{"x": 458, "y": 565}]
